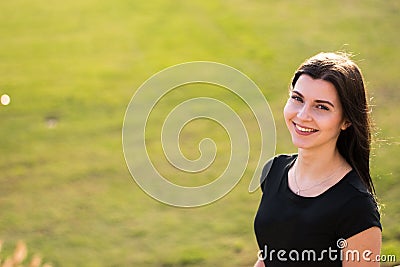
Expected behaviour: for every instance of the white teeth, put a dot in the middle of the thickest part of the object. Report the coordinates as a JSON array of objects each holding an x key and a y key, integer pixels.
[{"x": 308, "y": 130}]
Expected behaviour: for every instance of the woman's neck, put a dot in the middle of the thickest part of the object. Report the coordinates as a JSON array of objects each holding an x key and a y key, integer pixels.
[{"x": 312, "y": 163}]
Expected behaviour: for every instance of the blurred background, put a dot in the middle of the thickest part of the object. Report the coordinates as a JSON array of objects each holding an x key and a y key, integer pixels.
[{"x": 71, "y": 68}]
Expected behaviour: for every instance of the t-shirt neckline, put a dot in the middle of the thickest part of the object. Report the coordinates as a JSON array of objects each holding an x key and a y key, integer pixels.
[{"x": 294, "y": 196}]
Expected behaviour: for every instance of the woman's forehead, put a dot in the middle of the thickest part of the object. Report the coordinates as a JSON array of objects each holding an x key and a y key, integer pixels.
[{"x": 315, "y": 88}]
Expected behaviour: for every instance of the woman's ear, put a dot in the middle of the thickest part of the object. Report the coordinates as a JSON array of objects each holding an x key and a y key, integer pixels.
[{"x": 346, "y": 124}]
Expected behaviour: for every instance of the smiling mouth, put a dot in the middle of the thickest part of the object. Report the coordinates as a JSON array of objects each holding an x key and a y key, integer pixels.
[{"x": 304, "y": 129}]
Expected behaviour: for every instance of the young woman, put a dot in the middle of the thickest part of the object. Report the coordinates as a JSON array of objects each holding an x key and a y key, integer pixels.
[{"x": 318, "y": 206}]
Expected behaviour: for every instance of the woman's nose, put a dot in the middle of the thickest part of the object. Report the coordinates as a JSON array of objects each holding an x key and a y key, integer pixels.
[{"x": 304, "y": 113}]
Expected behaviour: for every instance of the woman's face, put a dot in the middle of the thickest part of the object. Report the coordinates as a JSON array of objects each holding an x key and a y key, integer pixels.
[{"x": 313, "y": 114}]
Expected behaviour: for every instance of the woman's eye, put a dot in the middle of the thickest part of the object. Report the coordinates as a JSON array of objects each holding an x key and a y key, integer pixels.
[
  {"x": 297, "y": 98},
  {"x": 323, "y": 107}
]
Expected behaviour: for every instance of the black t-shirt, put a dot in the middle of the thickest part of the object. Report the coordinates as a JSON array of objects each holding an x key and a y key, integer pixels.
[{"x": 293, "y": 231}]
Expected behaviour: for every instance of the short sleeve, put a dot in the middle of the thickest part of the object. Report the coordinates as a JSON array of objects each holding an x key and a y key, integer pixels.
[{"x": 359, "y": 214}]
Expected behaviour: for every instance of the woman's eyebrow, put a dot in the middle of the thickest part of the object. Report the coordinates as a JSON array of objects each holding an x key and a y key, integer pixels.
[
  {"x": 317, "y": 101},
  {"x": 325, "y": 102}
]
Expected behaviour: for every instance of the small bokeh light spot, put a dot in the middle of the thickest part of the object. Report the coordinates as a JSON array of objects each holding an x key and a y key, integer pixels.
[{"x": 5, "y": 100}]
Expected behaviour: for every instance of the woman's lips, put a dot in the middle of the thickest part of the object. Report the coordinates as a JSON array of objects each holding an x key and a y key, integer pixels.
[{"x": 304, "y": 130}]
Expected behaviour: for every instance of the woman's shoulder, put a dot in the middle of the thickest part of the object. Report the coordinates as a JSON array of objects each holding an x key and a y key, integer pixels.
[
  {"x": 283, "y": 159},
  {"x": 355, "y": 185},
  {"x": 359, "y": 209},
  {"x": 277, "y": 165},
  {"x": 278, "y": 161},
  {"x": 354, "y": 196}
]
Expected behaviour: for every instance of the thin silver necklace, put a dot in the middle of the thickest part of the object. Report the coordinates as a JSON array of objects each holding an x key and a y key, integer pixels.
[{"x": 318, "y": 184}]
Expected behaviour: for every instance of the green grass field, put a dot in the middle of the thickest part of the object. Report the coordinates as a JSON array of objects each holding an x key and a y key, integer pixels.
[{"x": 65, "y": 188}]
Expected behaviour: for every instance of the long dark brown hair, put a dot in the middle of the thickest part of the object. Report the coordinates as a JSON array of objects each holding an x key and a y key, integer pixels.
[{"x": 354, "y": 143}]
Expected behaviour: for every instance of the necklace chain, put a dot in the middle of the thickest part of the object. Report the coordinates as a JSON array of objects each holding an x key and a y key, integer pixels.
[{"x": 318, "y": 184}]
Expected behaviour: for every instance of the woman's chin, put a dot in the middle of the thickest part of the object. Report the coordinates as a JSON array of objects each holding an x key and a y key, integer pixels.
[{"x": 301, "y": 144}]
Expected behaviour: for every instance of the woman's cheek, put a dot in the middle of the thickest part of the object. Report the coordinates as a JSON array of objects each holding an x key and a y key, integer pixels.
[{"x": 288, "y": 110}]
